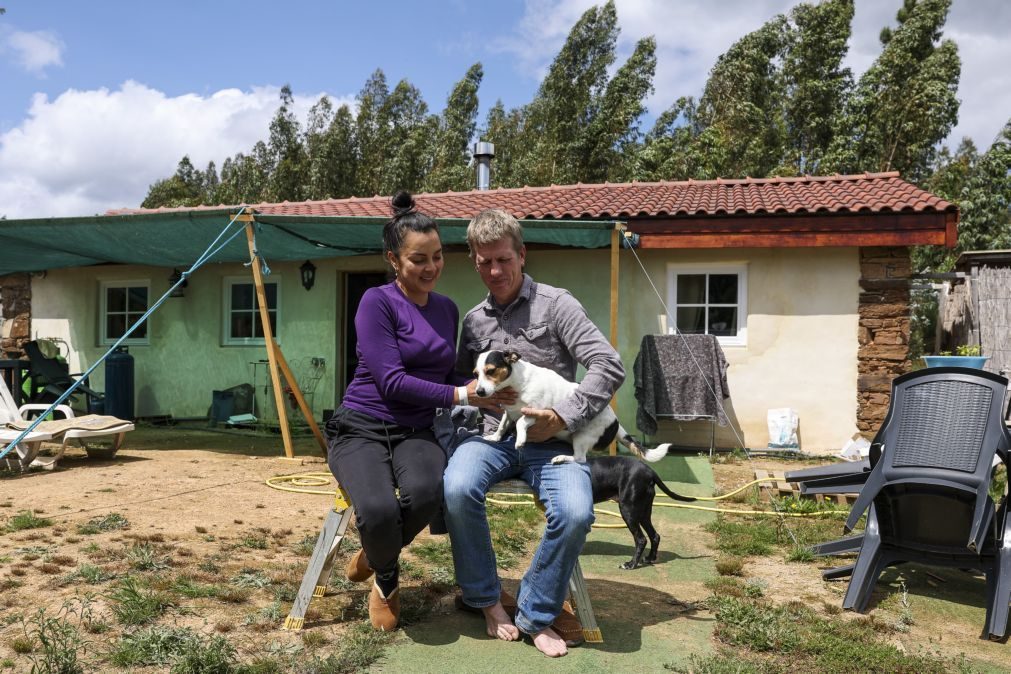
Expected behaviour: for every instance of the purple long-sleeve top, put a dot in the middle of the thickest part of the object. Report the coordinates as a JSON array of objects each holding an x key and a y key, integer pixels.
[{"x": 406, "y": 357}]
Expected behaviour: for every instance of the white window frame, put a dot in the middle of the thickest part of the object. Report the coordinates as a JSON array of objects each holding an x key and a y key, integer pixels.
[
  {"x": 226, "y": 310},
  {"x": 103, "y": 338},
  {"x": 675, "y": 269}
]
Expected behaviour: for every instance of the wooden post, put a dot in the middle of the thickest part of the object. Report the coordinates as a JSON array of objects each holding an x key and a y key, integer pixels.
[
  {"x": 616, "y": 235},
  {"x": 300, "y": 399},
  {"x": 268, "y": 338}
]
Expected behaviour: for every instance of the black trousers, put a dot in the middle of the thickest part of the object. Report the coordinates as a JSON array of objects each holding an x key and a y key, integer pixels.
[{"x": 372, "y": 458}]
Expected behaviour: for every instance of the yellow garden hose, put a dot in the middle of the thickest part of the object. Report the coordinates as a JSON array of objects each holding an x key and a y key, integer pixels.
[{"x": 301, "y": 483}]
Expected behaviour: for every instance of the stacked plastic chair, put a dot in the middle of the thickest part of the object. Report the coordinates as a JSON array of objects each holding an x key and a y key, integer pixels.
[{"x": 926, "y": 493}]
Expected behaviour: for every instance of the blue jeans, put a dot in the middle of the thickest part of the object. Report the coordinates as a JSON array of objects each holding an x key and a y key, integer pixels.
[{"x": 567, "y": 495}]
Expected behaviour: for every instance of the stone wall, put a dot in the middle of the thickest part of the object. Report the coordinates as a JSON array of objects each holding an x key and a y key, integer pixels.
[
  {"x": 883, "y": 353},
  {"x": 15, "y": 314}
]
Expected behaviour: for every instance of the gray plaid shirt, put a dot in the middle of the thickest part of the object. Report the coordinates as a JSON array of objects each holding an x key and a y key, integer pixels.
[{"x": 547, "y": 326}]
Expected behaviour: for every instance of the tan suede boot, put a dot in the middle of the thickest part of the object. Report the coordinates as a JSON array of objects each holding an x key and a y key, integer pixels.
[
  {"x": 384, "y": 612},
  {"x": 358, "y": 568}
]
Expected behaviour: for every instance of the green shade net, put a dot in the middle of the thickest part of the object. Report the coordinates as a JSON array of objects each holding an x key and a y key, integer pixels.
[{"x": 178, "y": 238}]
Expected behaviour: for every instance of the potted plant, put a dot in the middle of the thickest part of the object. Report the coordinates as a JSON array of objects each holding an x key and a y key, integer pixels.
[{"x": 966, "y": 355}]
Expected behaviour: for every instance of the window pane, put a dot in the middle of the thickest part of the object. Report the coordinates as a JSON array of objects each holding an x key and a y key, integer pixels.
[
  {"x": 115, "y": 299},
  {"x": 723, "y": 321},
  {"x": 257, "y": 327},
  {"x": 723, "y": 288},
  {"x": 115, "y": 325},
  {"x": 242, "y": 296},
  {"x": 692, "y": 320},
  {"x": 242, "y": 325},
  {"x": 691, "y": 288},
  {"x": 273, "y": 323},
  {"x": 141, "y": 331},
  {"x": 138, "y": 299},
  {"x": 270, "y": 290}
]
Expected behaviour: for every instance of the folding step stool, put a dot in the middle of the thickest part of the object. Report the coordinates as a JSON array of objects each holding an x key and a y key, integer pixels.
[{"x": 317, "y": 575}]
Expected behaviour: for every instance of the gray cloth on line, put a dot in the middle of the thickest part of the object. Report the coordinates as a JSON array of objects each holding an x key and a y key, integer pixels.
[{"x": 668, "y": 381}]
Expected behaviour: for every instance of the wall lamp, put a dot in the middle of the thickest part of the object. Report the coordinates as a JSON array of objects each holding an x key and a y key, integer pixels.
[
  {"x": 174, "y": 279},
  {"x": 308, "y": 271}
]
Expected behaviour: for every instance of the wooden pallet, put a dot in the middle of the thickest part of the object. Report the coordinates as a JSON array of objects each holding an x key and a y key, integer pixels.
[{"x": 782, "y": 488}]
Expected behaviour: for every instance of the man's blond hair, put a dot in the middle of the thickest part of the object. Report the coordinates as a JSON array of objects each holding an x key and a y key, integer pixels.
[{"x": 491, "y": 226}]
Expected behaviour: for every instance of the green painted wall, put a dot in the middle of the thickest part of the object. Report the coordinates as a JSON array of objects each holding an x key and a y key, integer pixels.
[{"x": 801, "y": 350}]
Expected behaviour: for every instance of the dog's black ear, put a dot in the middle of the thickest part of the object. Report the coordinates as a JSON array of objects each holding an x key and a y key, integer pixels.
[{"x": 512, "y": 356}]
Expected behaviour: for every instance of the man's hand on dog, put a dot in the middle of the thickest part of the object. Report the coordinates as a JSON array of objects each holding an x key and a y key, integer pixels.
[{"x": 547, "y": 424}]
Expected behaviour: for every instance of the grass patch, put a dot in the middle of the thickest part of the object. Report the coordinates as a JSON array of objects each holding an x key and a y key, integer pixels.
[
  {"x": 254, "y": 542},
  {"x": 730, "y": 566},
  {"x": 188, "y": 587},
  {"x": 97, "y": 525},
  {"x": 92, "y": 574},
  {"x": 512, "y": 530},
  {"x": 143, "y": 557},
  {"x": 801, "y": 640},
  {"x": 250, "y": 578},
  {"x": 743, "y": 536},
  {"x": 359, "y": 647},
  {"x": 181, "y": 648},
  {"x": 150, "y": 646},
  {"x": 305, "y": 545},
  {"x": 56, "y": 641},
  {"x": 25, "y": 519},
  {"x": 136, "y": 605}
]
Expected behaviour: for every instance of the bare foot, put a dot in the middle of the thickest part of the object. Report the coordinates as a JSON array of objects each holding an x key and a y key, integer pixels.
[
  {"x": 498, "y": 623},
  {"x": 549, "y": 643}
]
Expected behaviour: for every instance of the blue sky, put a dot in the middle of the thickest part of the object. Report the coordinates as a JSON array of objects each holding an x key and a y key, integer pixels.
[{"x": 100, "y": 99}]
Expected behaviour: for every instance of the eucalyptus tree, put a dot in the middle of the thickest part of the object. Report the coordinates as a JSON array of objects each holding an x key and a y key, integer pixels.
[
  {"x": 815, "y": 82},
  {"x": 608, "y": 145},
  {"x": 456, "y": 127},
  {"x": 288, "y": 166},
  {"x": 905, "y": 104}
]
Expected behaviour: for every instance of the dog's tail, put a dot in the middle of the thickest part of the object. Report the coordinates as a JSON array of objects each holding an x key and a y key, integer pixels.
[
  {"x": 651, "y": 455},
  {"x": 674, "y": 495}
]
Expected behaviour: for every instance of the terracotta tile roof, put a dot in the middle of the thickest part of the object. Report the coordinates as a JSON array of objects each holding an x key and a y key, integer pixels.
[{"x": 868, "y": 193}]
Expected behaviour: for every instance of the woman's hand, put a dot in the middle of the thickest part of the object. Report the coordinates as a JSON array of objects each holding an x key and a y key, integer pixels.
[{"x": 496, "y": 402}]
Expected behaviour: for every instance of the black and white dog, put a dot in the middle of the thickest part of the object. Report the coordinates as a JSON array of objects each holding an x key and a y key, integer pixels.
[
  {"x": 625, "y": 479},
  {"x": 632, "y": 484},
  {"x": 541, "y": 388}
]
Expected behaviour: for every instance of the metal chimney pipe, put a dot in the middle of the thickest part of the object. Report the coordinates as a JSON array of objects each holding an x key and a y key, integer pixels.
[{"x": 483, "y": 154}]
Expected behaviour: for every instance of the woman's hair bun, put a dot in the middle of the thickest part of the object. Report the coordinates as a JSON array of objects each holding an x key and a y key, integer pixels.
[{"x": 402, "y": 203}]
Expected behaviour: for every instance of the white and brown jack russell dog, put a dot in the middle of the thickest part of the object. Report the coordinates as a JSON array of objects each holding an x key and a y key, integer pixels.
[{"x": 540, "y": 388}]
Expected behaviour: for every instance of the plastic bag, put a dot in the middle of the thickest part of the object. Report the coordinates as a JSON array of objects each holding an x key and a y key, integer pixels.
[
  {"x": 783, "y": 428},
  {"x": 856, "y": 448}
]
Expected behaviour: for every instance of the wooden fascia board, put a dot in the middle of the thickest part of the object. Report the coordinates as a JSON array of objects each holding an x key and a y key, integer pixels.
[
  {"x": 793, "y": 239},
  {"x": 890, "y": 229},
  {"x": 951, "y": 230}
]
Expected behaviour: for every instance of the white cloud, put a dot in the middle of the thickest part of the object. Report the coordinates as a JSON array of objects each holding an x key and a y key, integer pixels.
[
  {"x": 691, "y": 34},
  {"x": 33, "y": 51},
  {"x": 88, "y": 151}
]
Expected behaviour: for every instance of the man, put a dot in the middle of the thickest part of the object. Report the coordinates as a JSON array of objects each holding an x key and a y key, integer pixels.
[{"x": 548, "y": 327}]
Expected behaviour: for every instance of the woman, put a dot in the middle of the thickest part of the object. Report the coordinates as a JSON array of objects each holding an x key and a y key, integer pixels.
[{"x": 380, "y": 439}]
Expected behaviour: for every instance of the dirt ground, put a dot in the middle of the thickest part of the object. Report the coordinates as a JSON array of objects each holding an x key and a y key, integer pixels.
[{"x": 199, "y": 499}]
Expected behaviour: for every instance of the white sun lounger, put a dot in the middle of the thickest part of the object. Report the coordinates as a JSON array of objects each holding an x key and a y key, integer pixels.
[{"x": 13, "y": 420}]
